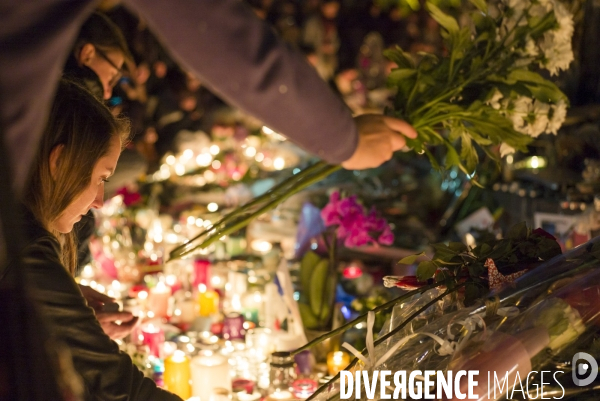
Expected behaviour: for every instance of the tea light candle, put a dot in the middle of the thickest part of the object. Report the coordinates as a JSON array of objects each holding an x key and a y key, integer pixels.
[
  {"x": 209, "y": 371},
  {"x": 279, "y": 395},
  {"x": 158, "y": 299},
  {"x": 337, "y": 361},
  {"x": 177, "y": 374},
  {"x": 208, "y": 301},
  {"x": 154, "y": 337}
]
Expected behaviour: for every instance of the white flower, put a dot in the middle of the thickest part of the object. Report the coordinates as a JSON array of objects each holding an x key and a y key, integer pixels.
[
  {"x": 538, "y": 119},
  {"x": 494, "y": 101},
  {"x": 506, "y": 150},
  {"x": 531, "y": 49},
  {"x": 556, "y": 44},
  {"x": 559, "y": 113}
]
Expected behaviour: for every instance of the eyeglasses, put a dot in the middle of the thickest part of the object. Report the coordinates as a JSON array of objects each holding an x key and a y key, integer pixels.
[{"x": 120, "y": 71}]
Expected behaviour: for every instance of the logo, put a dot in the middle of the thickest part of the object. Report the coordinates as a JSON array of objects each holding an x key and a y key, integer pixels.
[{"x": 581, "y": 369}]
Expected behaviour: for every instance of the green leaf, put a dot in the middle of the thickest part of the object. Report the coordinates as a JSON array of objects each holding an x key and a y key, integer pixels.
[
  {"x": 480, "y": 4},
  {"x": 548, "y": 248},
  {"x": 400, "y": 74},
  {"x": 400, "y": 57},
  {"x": 409, "y": 260},
  {"x": 446, "y": 21},
  {"x": 426, "y": 270},
  {"x": 518, "y": 232},
  {"x": 443, "y": 252},
  {"x": 468, "y": 154},
  {"x": 452, "y": 158}
]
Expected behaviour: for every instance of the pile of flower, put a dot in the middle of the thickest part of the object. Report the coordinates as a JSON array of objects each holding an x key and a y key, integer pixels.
[
  {"x": 354, "y": 225},
  {"x": 487, "y": 91}
]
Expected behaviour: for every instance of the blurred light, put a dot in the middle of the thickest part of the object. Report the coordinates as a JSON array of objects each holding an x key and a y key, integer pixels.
[
  {"x": 203, "y": 159},
  {"x": 188, "y": 154},
  {"x": 509, "y": 159},
  {"x": 346, "y": 312},
  {"x": 250, "y": 151},
  {"x": 150, "y": 314},
  {"x": 170, "y": 160},
  {"x": 214, "y": 149},
  {"x": 296, "y": 295},
  {"x": 216, "y": 164},
  {"x": 215, "y": 281},
  {"x": 191, "y": 220},
  {"x": 171, "y": 280},
  {"x": 209, "y": 175},
  {"x": 352, "y": 272},
  {"x": 179, "y": 169},
  {"x": 259, "y": 157},
  {"x": 279, "y": 163},
  {"x": 359, "y": 326},
  {"x": 268, "y": 162},
  {"x": 535, "y": 163},
  {"x": 199, "y": 222},
  {"x": 296, "y": 171},
  {"x": 261, "y": 246},
  {"x": 267, "y": 131},
  {"x": 212, "y": 207}
]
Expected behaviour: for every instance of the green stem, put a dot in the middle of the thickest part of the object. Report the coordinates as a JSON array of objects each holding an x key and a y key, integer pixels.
[
  {"x": 363, "y": 317},
  {"x": 227, "y": 228}
]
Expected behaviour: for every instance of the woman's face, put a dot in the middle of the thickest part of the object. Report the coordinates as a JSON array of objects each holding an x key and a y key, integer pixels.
[
  {"x": 93, "y": 195},
  {"x": 108, "y": 66}
]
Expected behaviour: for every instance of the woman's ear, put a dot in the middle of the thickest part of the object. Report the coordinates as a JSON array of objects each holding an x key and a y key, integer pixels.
[
  {"x": 54, "y": 159},
  {"x": 86, "y": 54}
]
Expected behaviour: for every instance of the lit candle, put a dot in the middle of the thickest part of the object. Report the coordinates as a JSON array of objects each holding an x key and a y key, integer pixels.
[
  {"x": 177, "y": 374},
  {"x": 158, "y": 299},
  {"x": 279, "y": 395},
  {"x": 260, "y": 343},
  {"x": 208, "y": 301},
  {"x": 154, "y": 337},
  {"x": 337, "y": 361},
  {"x": 209, "y": 371}
]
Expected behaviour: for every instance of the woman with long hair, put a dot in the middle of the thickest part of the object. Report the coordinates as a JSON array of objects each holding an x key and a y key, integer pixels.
[{"x": 78, "y": 153}]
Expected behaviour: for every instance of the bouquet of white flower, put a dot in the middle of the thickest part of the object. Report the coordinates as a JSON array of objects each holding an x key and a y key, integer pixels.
[{"x": 486, "y": 91}]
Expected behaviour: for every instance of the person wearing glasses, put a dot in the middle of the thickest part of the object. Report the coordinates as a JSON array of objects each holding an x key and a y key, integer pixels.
[{"x": 101, "y": 47}]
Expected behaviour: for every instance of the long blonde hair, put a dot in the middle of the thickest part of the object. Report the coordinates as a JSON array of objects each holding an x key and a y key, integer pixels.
[{"x": 84, "y": 126}]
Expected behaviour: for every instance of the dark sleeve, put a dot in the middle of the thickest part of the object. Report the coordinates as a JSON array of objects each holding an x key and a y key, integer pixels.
[
  {"x": 35, "y": 38},
  {"x": 239, "y": 58},
  {"x": 108, "y": 374}
]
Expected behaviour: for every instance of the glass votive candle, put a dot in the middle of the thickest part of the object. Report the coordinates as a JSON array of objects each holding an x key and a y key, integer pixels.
[
  {"x": 259, "y": 343},
  {"x": 154, "y": 337},
  {"x": 209, "y": 371},
  {"x": 304, "y": 388},
  {"x": 233, "y": 327},
  {"x": 177, "y": 374},
  {"x": 336, "y": 361}
]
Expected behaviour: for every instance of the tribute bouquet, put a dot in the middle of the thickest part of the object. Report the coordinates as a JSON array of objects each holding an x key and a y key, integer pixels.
[{"x": 484, "y": 92}]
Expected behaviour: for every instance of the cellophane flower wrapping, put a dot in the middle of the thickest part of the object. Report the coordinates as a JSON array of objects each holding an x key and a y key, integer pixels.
[{"x": 537, "y": 323}]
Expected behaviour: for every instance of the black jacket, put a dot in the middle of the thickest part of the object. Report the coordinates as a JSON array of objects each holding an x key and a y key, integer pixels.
[{"x": 107, "y": 373}]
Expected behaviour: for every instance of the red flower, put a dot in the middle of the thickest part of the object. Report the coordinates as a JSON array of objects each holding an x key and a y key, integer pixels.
[
  {"x": 543, "y": 233},
  {"x": 405, "y": 282}
]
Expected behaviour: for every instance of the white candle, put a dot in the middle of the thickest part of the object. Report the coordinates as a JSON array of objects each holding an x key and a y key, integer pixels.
[
  {"x": 209, "y": 371},
  {"x": 158, "y": 300}
]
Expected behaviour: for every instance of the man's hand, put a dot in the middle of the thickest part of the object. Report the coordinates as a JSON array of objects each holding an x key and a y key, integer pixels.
[
  {"x": 115, "y": 324},
  {"x": 379, "y": 137}
]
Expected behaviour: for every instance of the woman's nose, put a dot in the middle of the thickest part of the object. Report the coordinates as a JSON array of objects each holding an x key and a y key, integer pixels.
[{"x": 99, "y": 199}]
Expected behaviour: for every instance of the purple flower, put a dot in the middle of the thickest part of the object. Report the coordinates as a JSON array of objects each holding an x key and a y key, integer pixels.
[
  {"x": 330, "y": 213},
  {"x": 386, "y": 237},
  {"x": 354, "y": 226}
]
